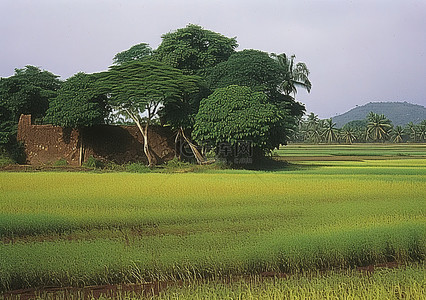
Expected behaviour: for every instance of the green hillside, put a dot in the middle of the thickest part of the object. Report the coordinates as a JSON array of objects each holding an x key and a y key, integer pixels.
[{"x": 400, "y": 113}]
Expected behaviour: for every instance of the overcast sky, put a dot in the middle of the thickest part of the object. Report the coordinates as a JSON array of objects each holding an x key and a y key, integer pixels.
[{"x": 357, "y": 51}]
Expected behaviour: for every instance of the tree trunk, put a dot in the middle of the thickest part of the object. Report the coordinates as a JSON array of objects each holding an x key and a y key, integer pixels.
[
  {"x": 144, "y": 131},
  {"x": 152, "y": 161},
  {"x": 200, "y": 159},
  {"x": 81, "y": 156}
]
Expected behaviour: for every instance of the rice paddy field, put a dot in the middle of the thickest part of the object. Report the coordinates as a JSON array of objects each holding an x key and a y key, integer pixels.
[{"x": 315, "y": 228}]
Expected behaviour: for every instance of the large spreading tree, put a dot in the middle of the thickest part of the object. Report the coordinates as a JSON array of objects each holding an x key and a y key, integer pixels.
[
  {"x": 194, "y": 49},
  {"x": 140, "y": 88},
  {"x": 28, "y": 91}
]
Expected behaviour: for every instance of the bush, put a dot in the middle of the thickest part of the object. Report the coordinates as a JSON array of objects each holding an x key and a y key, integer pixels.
[
  {"x": 112, "y": 166},
  {"x": 137, "y": 168},
  {"x": 13, "y": 151},
  {"x": 4, "y": 161},
  {"x": 176, "y": 163},
  {"x": 60, "y": 162},
  {"x": 93, "y": 163}
]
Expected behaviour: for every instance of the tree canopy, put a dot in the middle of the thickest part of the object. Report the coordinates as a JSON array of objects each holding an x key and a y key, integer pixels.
[
  {"x": 257, "y": 70},
  {"x": 78, "y": 103},
  {"x": 194, "y": 76},
  {"x": 236, "y": 113},
  {"x": 293, "y": 75},
  {"x": 378, "y": 127},
  {"x": 143, "y": 87},
  {"x": 28, "y": 91},
  {"x": 252, "y": 68},
  {"x": 138, "y": 52},
  {"x": 193, "y": 49}
]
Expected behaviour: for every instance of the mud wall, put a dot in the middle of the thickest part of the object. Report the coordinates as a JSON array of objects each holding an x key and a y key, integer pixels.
[{"x": 46, "y": 144}]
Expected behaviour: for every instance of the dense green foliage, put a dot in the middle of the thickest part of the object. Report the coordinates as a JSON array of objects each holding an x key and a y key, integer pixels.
[
  {"x": 252, "y": 68},
  {"x": 237, "y": 113},
  {"x": 78, "y": 103},
  {"x": 137, "y": 52},
  {"x": 260, "y": 72},
  {"x": 159, "y": 84},
  {"x": 193, "y": 49},
  {"x": 137, "y": 87},
  {"x": 28, "y": 91}
]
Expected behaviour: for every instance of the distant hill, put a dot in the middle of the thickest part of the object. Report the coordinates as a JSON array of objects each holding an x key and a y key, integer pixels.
[{"x": 400, "y": 113}]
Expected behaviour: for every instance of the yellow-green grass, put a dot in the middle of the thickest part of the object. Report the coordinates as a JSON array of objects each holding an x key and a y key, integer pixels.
[
  {"x": 80, "y": 228},
  {"x": 403, "y": 283},
  {"x": 363, "y": 149},
  {"x": 407, "y": 283}
]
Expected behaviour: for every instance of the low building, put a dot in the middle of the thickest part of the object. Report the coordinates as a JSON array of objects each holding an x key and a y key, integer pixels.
[{"x": 46, "y": 144}]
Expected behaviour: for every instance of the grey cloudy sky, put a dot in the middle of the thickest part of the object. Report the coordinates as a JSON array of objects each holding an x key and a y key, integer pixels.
[{"x": 357, "y": 51}]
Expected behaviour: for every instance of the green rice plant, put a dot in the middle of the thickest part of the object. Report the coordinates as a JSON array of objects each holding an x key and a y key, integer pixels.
[
  {"x": 406, "y": 282},
  {"x": 204, "y": 255},
  {"x": 86, "y": 228}
]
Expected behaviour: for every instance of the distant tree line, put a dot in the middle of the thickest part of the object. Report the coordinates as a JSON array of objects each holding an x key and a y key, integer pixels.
[
  {"x": 374, "y": 128},
  {"x": 195, "y": 82}
]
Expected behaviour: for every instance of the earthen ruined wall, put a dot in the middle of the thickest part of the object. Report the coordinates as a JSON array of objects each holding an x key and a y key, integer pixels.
[{"x": 46, "y": 144}]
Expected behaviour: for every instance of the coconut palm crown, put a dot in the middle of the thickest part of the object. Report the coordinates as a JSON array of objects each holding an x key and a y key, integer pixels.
[{"x": 294, "y": 75}]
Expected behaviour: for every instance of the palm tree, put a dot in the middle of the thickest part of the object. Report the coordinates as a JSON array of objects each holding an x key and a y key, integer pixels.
[
  {"x": 414, "y": 131},
  {"x": 348, "y": 135},
  {"x": 422, "y": 131},
  {"x": 329, "y": 131},
  {"x": 313, "y": 127},
  {"x": 294, "y": 75},
  {"x": 378, "y": 127},
  {"x": 398, "y": 134},
  {"x": 312, "y": 119}
]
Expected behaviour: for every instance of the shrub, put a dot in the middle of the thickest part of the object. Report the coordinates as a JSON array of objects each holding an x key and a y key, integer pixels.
[
  {"x": 112, "y": 166},
  {"x": 137, "y": 168},
  {"x": 60, "y": 162},
  {"x": 176, "y": 163},
  {"x": 4, "y": 161},
  {"x": 93, "y": 163}
]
